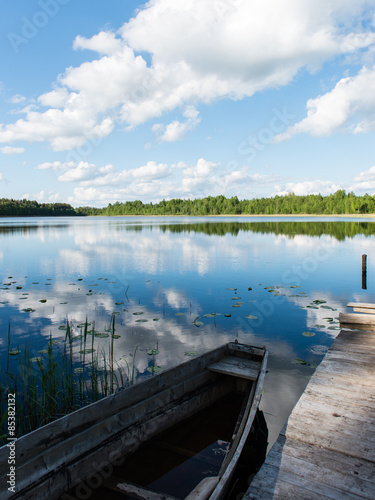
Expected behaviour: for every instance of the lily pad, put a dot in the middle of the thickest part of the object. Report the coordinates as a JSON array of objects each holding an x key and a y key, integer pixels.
[
  {"x": 198, "y": 323},
  {"x": 116, "y": 336},
  {"x": 43, "y": 351},
  {"x": 153, "y": 352},
  {"x": 180, "y": 314},
  {"x": 295, "y": 286},
  {"x": 236, "y": 298},
  {"x": 141, "y": 320},
  {"x": 87, "y": 351},
  {"x": 14, "y": 352},
  {"x": 210, "y": 315},
  {"x": 227, "y": 315},
  {"x": 155, "y": 319},
  {"x": 232, "y": 289},
  {"x": 28, "y": 310},
  {"x": 118, "y": 303},
  {"x": 250, "y": 316},
  {"x": 43, "y": 301},
  {"x": 299, "y": 361},
  {"x": 319, "y": 301},
  {"x": 154, "y": 369},
  {"x": 237, "y": 304},
  {"x": 101, "y": 335},
  {"x": 36, "y": 359},
  {"x": 308, "y": 334},
  {"x": 79, "y": 370},
  {"x": 138, "y": 313},
  {"x": 62, "y": 327}
]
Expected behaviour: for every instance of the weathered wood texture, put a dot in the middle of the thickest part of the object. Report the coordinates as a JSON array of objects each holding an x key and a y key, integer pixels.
[
  {"x": 364, "y": 307},
  {"x": 327, "y": 448},
  {"x": 357, "y": 319},
  {"x": 232, "y": 365}
]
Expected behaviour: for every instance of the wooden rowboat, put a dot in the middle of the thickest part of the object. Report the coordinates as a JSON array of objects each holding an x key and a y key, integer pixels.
[{"x": 78, "y": 455}]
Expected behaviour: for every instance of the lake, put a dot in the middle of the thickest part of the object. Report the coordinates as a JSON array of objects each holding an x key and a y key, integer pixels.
[{"x": 183, "y": 285}]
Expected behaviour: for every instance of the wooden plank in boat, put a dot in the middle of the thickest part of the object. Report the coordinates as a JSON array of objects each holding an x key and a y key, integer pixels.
[
  {"x": 120, "y": 486},
  {"x": 358, "y": 319},
  {"x": 238, "y": 367},
  {"x": 204, "y": 488}
]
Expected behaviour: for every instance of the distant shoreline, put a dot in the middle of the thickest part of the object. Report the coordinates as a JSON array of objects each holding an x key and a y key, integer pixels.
[{"x": 358, "y": 216}]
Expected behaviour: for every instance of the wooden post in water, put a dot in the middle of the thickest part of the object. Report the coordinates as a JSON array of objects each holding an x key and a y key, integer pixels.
[{"x": 364, "y": 271}]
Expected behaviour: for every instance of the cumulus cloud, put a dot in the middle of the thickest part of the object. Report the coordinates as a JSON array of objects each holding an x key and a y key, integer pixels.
[
  {"x": 176, "y": 130},
  {"x": 9, "y": 150},
  {"x": 155, "y": 181},
  {"x": 364, "y": 182},
  {"x": 200, "y": 51},
  {"x": 151, "y": 170},
  {"x": 350, "y": 104},
  {"x": 307, "y": 187},
  {"x": 73, "y": 172}
]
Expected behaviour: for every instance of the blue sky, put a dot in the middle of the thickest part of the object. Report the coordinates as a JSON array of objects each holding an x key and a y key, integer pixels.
[{"x": 122, "y": 100}]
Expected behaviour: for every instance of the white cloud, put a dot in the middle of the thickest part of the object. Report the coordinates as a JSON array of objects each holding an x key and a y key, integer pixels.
[
  {"x": 55, "y": 99},
  {"x": 56, "y": 165},
  {"x": 151, "y": 170},
  {"x": 200, "y": 51},
  {"x": 81, "y": 172},
  {"x": 364, "y": 182},
  {"x": 350, "y": 104},
  {"x": 176, "y": 130},
  {"x": 153, "y": 182},
  {"x": 103, "y": 43},
  {"x": 1, "y": 177},
  {"x": 9, "y": 150},
  {"x": 308, "y": 187},
  {"x": 17, "y": 99}
]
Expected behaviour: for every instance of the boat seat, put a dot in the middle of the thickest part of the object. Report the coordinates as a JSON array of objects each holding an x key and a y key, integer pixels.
[{"x": 237, "y": 367}]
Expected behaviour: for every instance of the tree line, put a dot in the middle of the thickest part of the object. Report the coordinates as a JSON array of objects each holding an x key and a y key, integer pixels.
[
  {"x": 291, "y": 204},
  {"x": 22, "y": 208}
]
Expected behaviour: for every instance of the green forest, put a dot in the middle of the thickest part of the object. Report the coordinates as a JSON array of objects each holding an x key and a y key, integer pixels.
[{"x": 337, "y": 203}]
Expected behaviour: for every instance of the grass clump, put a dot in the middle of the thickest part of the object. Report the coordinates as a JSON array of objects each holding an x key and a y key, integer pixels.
[{"x": 65, "y": 377}]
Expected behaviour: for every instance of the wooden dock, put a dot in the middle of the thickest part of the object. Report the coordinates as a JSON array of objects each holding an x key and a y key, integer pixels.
[{"x": 326, "y": 449}]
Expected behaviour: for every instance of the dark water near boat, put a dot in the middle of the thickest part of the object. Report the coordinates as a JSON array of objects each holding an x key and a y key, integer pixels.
[{"x": 194, "y": 283}]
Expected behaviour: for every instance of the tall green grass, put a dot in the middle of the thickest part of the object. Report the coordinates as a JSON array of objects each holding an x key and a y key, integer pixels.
[{"x": 67, "y": 376}]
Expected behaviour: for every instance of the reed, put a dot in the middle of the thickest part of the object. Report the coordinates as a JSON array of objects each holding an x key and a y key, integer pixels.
[{"x": 64, "y": 378}]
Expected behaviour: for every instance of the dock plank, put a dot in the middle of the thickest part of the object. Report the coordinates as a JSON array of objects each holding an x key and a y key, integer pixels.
[{"x": 327, "y": 447}]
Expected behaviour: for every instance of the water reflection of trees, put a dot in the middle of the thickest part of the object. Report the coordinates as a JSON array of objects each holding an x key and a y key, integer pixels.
[
  {"x": 337, "y": 229},
  {"x": 12, "y": 230}
]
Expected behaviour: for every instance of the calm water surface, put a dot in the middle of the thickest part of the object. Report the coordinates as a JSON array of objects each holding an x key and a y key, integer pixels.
[{"x": 279, "y": 282}]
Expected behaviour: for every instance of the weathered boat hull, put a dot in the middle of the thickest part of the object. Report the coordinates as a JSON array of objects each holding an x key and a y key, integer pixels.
[{"x": 77, "y": 453}]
